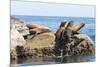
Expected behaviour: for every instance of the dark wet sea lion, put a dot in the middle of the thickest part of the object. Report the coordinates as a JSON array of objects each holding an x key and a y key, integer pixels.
[{"x": 60, "y": 30}]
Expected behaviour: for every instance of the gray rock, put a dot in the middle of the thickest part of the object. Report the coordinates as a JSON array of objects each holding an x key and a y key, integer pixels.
[
  {"x": 20, "y": 26},
  {"x": 16, "y": 39},
  {"x": 18, "y": 30}
]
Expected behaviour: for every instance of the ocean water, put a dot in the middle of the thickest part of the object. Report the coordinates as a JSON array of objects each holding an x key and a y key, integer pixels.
[{"x": 53, "y": 23}]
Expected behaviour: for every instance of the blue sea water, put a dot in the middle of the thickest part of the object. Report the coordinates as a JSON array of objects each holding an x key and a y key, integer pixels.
[{"x": 53, "y": 23}]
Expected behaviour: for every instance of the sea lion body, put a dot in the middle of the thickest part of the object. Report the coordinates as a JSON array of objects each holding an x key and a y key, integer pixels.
[
  {"x": 76, "y": 27},
  {"x": 61, "y": 29},
  {"x": 34, "y": 28},
  {"x": 39, "y": 30}
]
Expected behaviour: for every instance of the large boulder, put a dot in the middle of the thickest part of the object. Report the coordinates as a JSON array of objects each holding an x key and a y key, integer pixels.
[
  {"x": 18, "y": 31},
  {"x": 41, "y": 41}
]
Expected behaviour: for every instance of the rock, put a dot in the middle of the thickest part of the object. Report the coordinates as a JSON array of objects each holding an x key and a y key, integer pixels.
[
  {"x": 69, "y": 41},
  {"x": 13, "y": 56},
  {"x": 41, "y": 41},
  {"x": 16, "y": 39},
  {"x": 20, "y": 26},
  {"x": 85, "y": 37},
  {"x": 18, "y": 31}
]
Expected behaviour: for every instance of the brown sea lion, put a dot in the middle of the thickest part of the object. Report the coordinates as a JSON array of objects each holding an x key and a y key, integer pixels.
[
  {"x": 36, "y": 29},
  {"x": 31, "y": 26},
  {"x": 39, "y": 30},
  {"x": 76, "y": 27}
]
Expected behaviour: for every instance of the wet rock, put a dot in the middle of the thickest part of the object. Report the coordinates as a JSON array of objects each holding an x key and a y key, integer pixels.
[{"x": 13, "y": 56}]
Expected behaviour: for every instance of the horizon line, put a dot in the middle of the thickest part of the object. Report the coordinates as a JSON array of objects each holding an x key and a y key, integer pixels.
[{"x": 54, "y": 16}]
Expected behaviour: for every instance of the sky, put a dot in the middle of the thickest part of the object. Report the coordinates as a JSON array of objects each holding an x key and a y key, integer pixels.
[{"x": 51, "y": 9}]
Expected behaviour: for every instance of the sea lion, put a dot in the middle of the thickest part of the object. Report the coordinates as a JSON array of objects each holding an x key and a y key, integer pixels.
[
  {"x": 39, "y": 30},
  {"x": 60, "y": 30},
  {"x": 76, "y": 27},
  {"x": 68, "y": 33},
  {"x": 36, "y": 29},
  {"x": 87, "y": 44},
  {"x": 85, "y": 37},
  {"x": 33, "y": 26}
]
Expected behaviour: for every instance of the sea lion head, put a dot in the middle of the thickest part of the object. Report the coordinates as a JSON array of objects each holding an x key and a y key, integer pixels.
[
  {"x": 70, "y": 24},
  {"x": 63, "y": 23}
]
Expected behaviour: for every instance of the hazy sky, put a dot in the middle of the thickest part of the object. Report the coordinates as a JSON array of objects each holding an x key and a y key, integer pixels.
[{"x": 51, "y": 9}]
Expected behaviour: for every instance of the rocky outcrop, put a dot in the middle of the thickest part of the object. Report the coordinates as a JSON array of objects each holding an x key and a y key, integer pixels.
[
  {"x": 25, "y": 43},
  {"x": 32, "y": 40},
  {"x": 16, "y": 39},
  {"x": 18, "y": 31},
  {"x": 69, "y": 41}
]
